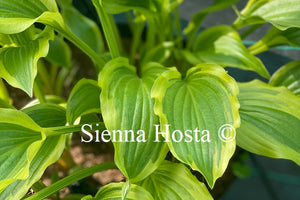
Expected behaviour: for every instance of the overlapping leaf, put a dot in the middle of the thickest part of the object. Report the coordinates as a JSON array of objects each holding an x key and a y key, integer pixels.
[
  {"x": 46, "y": 115},
  {"x": 84, "y": 28},
  {"x": 20, "y": 140},
  {"x": 114, "y": 191},
  {"x": 201, "y": 103},
  {"x": 84, "y": 99},
  {"x": 222, "y": 45},
  {"x": 288, "y": 76},
  {"x": 174, "y": 181},
  {"x": 126, "y": 105},
  {"x": 19, "y": 57},
  {"x": 283, "y": 14},
  {"x": 270, "y": 121},
  {"x": 16, "y": 15}
]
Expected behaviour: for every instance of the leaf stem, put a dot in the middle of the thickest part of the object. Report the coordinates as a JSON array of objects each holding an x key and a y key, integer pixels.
[
  {"x": 71, "y": 179},
  {"x": 55, "y": 131},
  {"x": 108, "y": 30},
  {"x": 258, "y": 47},
  {"x": 38, "y": 92},
  {"x": 98, "y": 60},
  {"x": 137, "y": 33}
]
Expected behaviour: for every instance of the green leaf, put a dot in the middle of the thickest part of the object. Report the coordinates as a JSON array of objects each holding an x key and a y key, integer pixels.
[
  {"x": 174, "y": 181},
  {"x": 59, "y": 53},
  {"x": 270, "y": 119},
  {"x": 45, "y": 115},
  {"x": 114, "y": 191},
  {"x": 274, "y": 38},
  {"x": 223, "y": 45},
  {"x": 84, "y": 99},
  {"x": 16, "y": 16},
  {"x": 126, "y": 105},
  {"x": 283, "y": 14},
  {"x": 84, "y": 28},
  {"x": 289, "y": 76},
  {"x": 199, "y": 108},
  {"x": 18, "y": 60},
  {"x": 20, "y": 140}
]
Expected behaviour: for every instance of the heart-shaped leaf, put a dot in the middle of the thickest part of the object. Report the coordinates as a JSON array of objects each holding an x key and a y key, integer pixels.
[
  {"x": 174, "y": 181},
  {"x": 270, "y": 120},
  {"x": 46, "y": 115},
  {"x": 201, "y": 110},
  {"x": 20, "y": 140},
  {"x": 288, "y": 76},
  {"x": 126, "y": 105},
  {"x": 18, "y": 60},
  {"x": 223, "y": 45}
]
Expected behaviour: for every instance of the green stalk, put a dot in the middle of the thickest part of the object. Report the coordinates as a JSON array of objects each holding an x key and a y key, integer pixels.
[
  {"x": 107, "y": 29},
  {"x": 55, "y": 131},
  {"x": 150, "y": 35},
  {"x": 71, "y": 179},
  {"x": 99, "y": 61},
  {"x": 137, "y": 34},
  {"x": 59, "y": 130},
  {"x": 258, "y": 47},
  {"x": 39, "y": 92},
  {"x": 178, "y": 28},
  {"x": 116, "y": 33}
]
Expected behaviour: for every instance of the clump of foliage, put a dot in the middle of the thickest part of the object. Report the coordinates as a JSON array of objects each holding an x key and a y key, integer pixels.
[{"x": 168, "y": 77}]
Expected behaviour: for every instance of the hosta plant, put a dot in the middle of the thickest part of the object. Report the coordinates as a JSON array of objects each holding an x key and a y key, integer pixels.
[{"x": 168, "y": 91}]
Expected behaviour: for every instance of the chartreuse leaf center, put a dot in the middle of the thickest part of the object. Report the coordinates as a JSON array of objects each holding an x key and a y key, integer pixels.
[{"x": 193, "y": 112}]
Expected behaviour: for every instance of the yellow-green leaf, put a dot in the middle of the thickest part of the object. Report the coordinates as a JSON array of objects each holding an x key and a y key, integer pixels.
[
  {"x": 20, "y": 140},
  {"x": 270, "y": 121},
  {"x": 114, "y": 191},
  {"x": 45, "y": 115},
  {"x": 199, "y": 108},
  {"x": 126, "y": 105},
  {"x": 174, "y": 181},
  {"x": 223, "y": 45},
  {"x": 283, "y": 14},
  {"x": 18, "y": 59}
]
